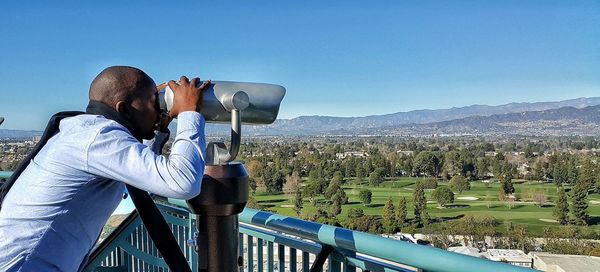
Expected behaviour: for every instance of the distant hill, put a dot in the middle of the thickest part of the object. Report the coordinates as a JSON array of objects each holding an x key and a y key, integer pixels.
[
  {"x": 566, "y": 117},
  {"x": 567, "y": 121},
  {"x": 18, "y": 134},
  {"x": 386, "y": 124}
]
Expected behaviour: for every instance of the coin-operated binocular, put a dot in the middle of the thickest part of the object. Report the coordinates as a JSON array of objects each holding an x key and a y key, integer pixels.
[{"x": 225, "y": 185}]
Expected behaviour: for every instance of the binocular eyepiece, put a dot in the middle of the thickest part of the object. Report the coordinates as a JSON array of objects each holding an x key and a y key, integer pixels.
[{"x": 258, "y": 102}]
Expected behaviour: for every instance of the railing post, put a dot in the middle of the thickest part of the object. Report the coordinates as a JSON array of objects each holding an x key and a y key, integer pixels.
[{"x": 223, "y": 196}]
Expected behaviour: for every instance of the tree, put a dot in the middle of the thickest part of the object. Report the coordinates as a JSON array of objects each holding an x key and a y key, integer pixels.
[
  {"x": 420, "y": 203},
  {"x": 572, "y": 172},
  {"x": 402, "y": 213},
  {"x": 273, "y": 180},
  {"x": 481, "y": 167},
  {"x": 360, "y": 171},
  {"x": 311, "y": 190},
  {"x": 357, "y": 220},
  {"x": 580, "y": 205},
  {"x": 443, "y": 195},
  {"x": 429, "y": 183},
  {"x": 507, "y": 186},
  {"x": 540, "y": 197},
  {"x": 252, "y": 203},
  {"x": 365, "y": 196},
  {"x": 292, "y": 184},
  {"x": 427, "y": 163},
  {"x": 376, "y": 177},
  {"x": 459, "y": 184},
  {"x": 336, "y": 207},
  {"x": 597, "y": 181},
  {"x": 587, "y": 174},
  {"x": 475, "y": 229},
  {"x": 334, "y": 186},
  {"x": 538, "y": 169},
  {"x": 254, "y": 168},
  {"x": 389, "y": 217},
  {"x": 452, "y": 164},
  {"x": 316, "y": 176},
  {"x": 561, "y": 209},
  {"x": 340, "y": 197},
  {"x": 502, "y": 195},
  {"x": 298, "y": 202},
  {"x": 518, "y": 237}
]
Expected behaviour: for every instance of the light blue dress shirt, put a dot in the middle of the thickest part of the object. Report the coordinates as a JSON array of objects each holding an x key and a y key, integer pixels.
[{"x": 54, "y": 213}]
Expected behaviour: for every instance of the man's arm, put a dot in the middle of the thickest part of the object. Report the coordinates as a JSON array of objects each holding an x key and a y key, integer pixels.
[{"x": 115, "y": 154}]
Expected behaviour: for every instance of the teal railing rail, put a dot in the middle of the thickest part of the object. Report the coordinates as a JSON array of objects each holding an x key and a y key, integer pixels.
[{"x": 5, "y": 174}]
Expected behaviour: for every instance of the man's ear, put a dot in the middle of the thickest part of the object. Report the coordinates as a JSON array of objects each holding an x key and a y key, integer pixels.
[{"x": 122, "y": 108}]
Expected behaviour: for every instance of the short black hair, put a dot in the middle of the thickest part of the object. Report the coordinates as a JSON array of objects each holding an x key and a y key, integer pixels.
[{"x": 119, "y": 83}]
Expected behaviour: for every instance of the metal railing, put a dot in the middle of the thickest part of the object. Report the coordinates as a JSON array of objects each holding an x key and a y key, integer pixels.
[
  {"x": 129, "y": 247},
  {"x": 354, "y": 249},
  {"x": 272, "y": 242}
]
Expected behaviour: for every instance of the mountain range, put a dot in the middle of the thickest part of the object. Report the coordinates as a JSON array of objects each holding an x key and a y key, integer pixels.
[
  {"x": 568, "y": 117},
  {"x": 579, "y": 116}
]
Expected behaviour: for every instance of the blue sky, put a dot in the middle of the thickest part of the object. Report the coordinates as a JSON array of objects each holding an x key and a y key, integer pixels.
[{"x": 342, "y": 58}]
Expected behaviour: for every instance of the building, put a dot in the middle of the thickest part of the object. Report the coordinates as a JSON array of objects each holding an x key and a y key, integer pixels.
[
  {"x": 351, "y": 154},
  {"x": 406, "y": 152},
  {"x": 511, "y": 256},
  {"x": 467, "y": 250},
  {"x": 564, "y": 263}
]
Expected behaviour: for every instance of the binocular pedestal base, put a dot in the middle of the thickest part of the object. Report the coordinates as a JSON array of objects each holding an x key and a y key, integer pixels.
[
  {"x": 223, "y": 196},
  {"x": 218, "y": 243}
]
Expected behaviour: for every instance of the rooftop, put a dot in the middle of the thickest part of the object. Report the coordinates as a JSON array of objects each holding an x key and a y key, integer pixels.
[{"x": 567, "y": 263}]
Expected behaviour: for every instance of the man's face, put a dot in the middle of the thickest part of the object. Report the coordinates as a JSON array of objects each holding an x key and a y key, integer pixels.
[{"x": 145, "y": 114}]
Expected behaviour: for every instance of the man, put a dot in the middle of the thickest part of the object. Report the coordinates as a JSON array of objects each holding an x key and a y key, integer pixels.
[{"x": 54, "y": 212}]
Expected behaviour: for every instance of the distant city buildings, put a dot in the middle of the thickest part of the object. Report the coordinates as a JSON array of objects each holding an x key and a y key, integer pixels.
[
  {"x": 13, "y": 151},
  {"x": 543, "y": 261},
  {"x": 351, "y": 154}
]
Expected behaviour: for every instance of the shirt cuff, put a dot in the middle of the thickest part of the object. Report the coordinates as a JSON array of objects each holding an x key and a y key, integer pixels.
[{"x": 190, "y": 120}]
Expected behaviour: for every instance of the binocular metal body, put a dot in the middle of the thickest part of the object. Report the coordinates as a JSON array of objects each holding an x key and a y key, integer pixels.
[{"x": 259, "y": 102}]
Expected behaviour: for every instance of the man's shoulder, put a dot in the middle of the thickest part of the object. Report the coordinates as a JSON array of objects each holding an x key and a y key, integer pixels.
[
  {"x": 89, "y": 122},
  {"x": 90, "y": 127}
]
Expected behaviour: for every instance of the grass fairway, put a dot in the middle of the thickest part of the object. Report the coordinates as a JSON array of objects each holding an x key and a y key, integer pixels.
[{"x": 481, "y": 200}]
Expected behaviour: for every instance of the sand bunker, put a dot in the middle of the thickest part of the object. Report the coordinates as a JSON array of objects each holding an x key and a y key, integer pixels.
[
  {"x": 467, "y": 198},
  {"x": 594, "y": 202},
  {"x": 548, "y": 220},
  {"x": 287, "y": 206}
]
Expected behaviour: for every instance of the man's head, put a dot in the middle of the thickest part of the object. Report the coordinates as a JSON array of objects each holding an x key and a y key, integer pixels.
[{"x": 131, "y": 92}]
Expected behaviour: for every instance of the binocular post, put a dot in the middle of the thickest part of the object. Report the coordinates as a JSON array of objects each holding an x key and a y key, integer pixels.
[{"x": 223, "y": 195}]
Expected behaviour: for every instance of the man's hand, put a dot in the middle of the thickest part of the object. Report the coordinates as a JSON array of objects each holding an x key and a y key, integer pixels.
[{"x": 186, "y": 96}]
